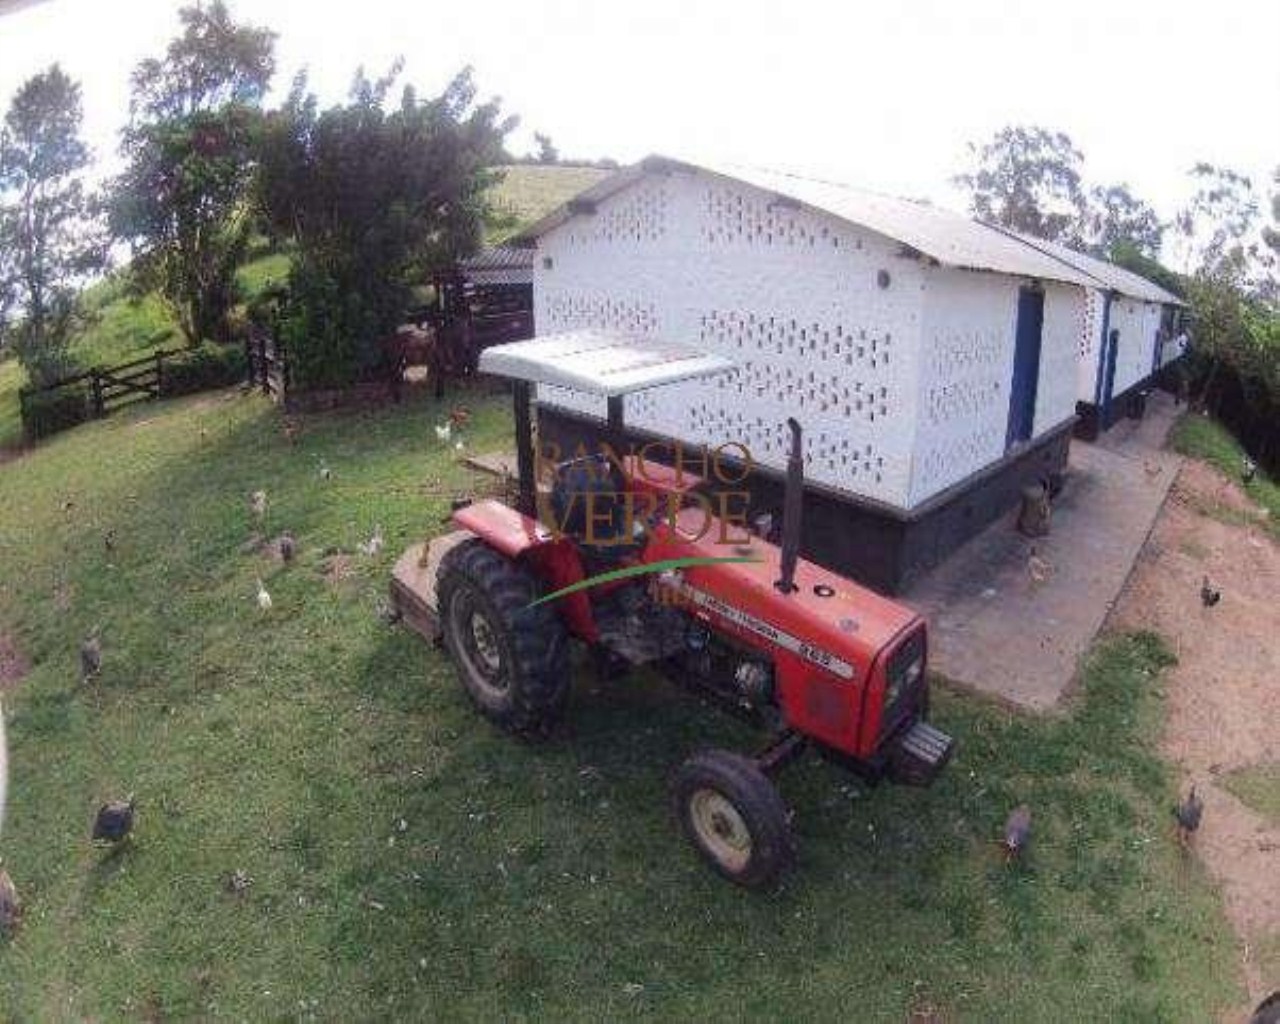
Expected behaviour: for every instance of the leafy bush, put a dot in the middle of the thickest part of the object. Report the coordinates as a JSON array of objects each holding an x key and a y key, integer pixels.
[
  {"x": 208, "y": 366},
  {"x": 47, "y": 412},
  {"x": 376, "y": 195}
]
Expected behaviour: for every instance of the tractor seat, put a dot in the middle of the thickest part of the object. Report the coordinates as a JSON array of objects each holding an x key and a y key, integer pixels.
[{"x": 588, "y": 499}]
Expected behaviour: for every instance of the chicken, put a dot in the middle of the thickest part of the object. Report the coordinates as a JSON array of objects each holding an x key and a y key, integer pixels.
[
  {"x": 291, "y": 431},
  {"x": 109, "y": 540},
  {"x": 1209, "y": 595},
  {"x": 114, "y": 821},
  {"x": 90, "y": 655},
  {"x": 1038, "y": 568},
  {"x": 374, "y": 544},
  {"x": 1187, "y": 814},
  {"x": 444, "y": 432},
  {"x": 264, "y": 598},
  {"x": 387, "y": 612},
  {"x": 1017, "y": 832},
  {"x": 458, "y": 416},
  {"x": 10, "y": 905},
  {"x": 287, "y": 546},
  {"x": 1248, "y": 470},
  {"x": 258, "y": 505},
  {"x": 325, "y": 472}
]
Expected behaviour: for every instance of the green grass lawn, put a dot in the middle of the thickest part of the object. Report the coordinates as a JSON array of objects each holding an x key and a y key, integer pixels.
[
  {"x": 529, "y": 191},
  {"x": 11, "y": 379},
  {"x": 1258, "y": 786},
  {"x": 408, "y": 861},
  {"x": 122, "y": 328},
  {"x": 1203, "y": 438}
]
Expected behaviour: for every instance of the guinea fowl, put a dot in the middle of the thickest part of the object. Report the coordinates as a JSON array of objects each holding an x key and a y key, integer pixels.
[
  {"x": 90, "y": 655},
  {"x": 10, "y": 905},
  {"x": 288, "y": 547},
  {"x": 1209, "y": 595},
  {"x": 1187, "y": 814},
  {"x": 1017, "y": 832},
  {"x": 114, "y": 821}
]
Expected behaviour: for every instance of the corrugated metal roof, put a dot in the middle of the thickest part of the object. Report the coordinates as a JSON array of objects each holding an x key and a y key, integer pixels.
[
  {"x": 943, "y": 235},
  {"x": 499, "y": 257},
  {"x": 1108, "y": 275},
  {"x": 601, "y": 362}
]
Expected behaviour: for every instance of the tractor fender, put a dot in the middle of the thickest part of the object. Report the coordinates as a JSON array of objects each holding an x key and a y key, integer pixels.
[
  {"x": 503, "y": 528},
  {"x": 554, "y": 559}
]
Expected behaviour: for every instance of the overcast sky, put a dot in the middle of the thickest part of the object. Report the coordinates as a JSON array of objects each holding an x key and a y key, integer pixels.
[{"x": 883, "y": 95}]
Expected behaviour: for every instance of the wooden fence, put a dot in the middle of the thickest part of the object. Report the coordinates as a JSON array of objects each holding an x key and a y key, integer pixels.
[{"x": 112, "y": 387}]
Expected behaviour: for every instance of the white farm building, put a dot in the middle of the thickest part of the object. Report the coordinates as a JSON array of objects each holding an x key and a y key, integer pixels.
[
  {"x": 933, "y": 362},
  {"x": 1128, "y": 337}
]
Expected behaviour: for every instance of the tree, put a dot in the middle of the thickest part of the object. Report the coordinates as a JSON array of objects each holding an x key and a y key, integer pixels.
[
  {"x": 376, "y": 196},
  {"x": 547, "y": 152},
  {"x": 1218, "y": 221},
  {"x": 183, "y": 200},
  {"x": 48, "y": 221},
  {"x": 1114, "y": 216},
  {"x": 1028, "y": 179},
  {"x": 1271, "y": 239}
]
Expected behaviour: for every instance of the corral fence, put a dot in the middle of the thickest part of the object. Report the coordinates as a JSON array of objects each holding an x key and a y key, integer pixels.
[
  {"x": 92, "y": 394},
  {"x": 102, "y": 390},
  {"x": 111, "y": 387}
]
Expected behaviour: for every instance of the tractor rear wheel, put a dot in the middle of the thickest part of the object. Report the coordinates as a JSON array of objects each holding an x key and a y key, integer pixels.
[
  {"x": 734, "y": 817},
  {"x": 512, "y": 659}
]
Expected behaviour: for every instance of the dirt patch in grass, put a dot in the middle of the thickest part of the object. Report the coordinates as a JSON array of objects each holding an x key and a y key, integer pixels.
[
  {"x": 13, "y": 663},
  {"x": 1223, "y": 701}
]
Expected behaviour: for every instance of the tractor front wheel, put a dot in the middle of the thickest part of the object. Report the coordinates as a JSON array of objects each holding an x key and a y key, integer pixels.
[
  {"x": 512, "y": 657},
  {"x": 734, "y": 817}
]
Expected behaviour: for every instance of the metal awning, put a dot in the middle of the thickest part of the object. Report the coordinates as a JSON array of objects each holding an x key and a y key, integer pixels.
[{"x": 600, "y": 362}]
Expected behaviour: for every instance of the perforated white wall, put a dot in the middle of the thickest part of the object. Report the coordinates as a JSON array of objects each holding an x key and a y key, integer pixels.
[
  {"x": 898, "y": 372},
  {"x": 968, "y": 362},
  {"x": 794, "y": 297},
  {"x": 1065, "y": 316},
  {"x": 1088, "y": 346},
  {"x": 1137, "y": 327}
]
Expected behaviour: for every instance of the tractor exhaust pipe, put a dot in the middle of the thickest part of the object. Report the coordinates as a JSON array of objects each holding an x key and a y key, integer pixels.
[{"x": 792, "y": 506}]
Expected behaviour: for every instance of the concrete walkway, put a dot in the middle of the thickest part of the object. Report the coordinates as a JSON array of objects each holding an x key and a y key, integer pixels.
[{"x": 1011, "y": 617}]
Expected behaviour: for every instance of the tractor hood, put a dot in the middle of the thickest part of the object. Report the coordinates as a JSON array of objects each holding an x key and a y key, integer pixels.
[{"x": 839, "y": 624}]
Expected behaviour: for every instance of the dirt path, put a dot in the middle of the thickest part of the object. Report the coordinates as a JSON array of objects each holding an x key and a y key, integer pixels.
[{"x": 1224, "y": 694}]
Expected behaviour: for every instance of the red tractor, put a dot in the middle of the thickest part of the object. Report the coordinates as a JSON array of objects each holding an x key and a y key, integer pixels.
[{"x": 630, "y": 558}]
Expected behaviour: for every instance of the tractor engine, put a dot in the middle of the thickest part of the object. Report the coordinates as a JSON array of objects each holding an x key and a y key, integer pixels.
[{"x": 737, "y": 676}]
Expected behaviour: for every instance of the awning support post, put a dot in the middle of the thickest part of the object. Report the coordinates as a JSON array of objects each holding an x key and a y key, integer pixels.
[{"x": 526, "y": 501}]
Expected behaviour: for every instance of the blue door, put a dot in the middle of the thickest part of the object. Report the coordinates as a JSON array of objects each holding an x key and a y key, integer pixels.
[
  {"x": 1026, "y": 366},
  {"x": 1109, "y": 375}
]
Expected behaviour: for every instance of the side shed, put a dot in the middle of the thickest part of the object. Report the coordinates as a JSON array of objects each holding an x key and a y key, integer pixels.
[
  {"x": 930, "y": 359},
  {"x": 1127, "y": 340}
]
